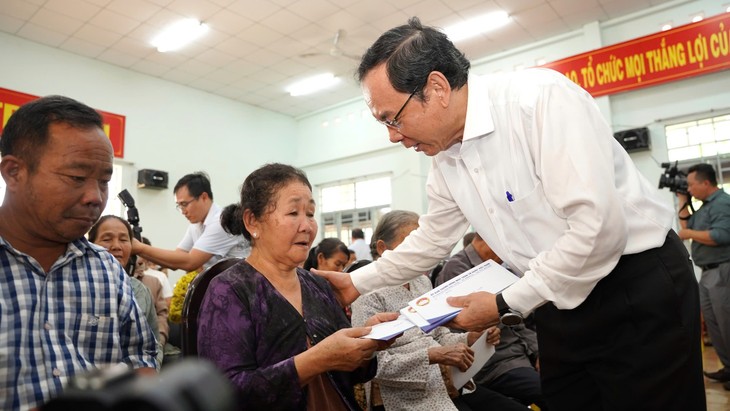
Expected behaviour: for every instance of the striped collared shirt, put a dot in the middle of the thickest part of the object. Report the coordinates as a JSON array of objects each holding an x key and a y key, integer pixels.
[{"x": 79, "y": 316}]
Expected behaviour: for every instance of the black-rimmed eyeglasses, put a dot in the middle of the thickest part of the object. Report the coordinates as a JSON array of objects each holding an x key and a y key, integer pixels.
[{"x": 394, "y": 123}]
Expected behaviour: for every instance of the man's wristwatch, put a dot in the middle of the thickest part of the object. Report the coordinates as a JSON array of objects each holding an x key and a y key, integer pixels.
[{"x": 507, "y": 316}]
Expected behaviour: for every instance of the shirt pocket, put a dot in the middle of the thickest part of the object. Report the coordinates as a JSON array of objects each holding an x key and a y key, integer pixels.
[
  {"x": 96, "y": 338},
  {"x": 540, "y": 225}
]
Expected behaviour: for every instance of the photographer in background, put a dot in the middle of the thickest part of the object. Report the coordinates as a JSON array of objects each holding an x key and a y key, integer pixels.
[
  {"x": 709, "y": 230},
  {"x": 66, "y": 306},
  {"x": 205, "y": 241}
]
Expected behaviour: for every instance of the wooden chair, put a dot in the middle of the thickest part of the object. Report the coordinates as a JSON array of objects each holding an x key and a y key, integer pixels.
[{"x": 193, "y": 300}]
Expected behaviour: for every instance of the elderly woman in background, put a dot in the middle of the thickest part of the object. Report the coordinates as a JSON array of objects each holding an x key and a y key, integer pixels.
[
  {"x": 330, "y": 254},
  {"x": 413, "y": 373},
  {"x": 115, "y": 235},
  {"x": 273, "y": 328}
]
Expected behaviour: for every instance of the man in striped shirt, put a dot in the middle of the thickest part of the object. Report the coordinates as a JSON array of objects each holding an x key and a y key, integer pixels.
[{"x": 66, "y": 306}]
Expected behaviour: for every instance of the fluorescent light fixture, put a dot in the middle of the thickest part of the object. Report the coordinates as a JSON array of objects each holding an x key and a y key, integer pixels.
[
  {"x": 666, "y": 26},
  {"x": 697, "y": 18},
  {"x": 477, "y": 25},
  {"x": 179, "y": 34},
  {"x": 312, "y": 84}
]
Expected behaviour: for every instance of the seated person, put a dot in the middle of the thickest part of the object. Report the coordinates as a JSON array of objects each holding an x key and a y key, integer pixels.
[
  {"x": 115, "y": 234},
  {"x": 330, "y": 254},
  {"x": 413, "y": 372},
  {"x": 66, "y": 306},
  {"x": 147, "y": 267},
  {"x": 273, "y": 328},
  {"x": 511, "y": 370}
]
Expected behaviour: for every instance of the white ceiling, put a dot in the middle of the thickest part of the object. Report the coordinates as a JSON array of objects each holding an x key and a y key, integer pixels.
[{"x": 254, "y": 48}]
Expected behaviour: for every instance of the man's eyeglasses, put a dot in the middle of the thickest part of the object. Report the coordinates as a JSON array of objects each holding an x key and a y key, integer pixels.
[
  {"x": 182, "y": 205},
  {"x": 394, "y": 123}
]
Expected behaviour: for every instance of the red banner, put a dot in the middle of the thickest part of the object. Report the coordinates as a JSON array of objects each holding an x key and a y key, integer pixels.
[
  {"x": 113, "y": 123},
  {"x": 685, "y": 51}
]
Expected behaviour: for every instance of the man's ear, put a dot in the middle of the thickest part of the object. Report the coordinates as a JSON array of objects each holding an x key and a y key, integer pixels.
[
  {"x": 13, "y": 170},
  {"x": 440, "y": 87}
]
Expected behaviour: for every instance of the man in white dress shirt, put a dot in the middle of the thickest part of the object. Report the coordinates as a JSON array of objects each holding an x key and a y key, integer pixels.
[
  {"x": 359, "y": 246},
  {"x": 527, "y": 159},
  {"x": 205, "y": 242}
]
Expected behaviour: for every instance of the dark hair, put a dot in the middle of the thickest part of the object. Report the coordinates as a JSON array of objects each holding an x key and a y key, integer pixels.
[
  {"x": 26, "y": 133},
  {"x": 357, "y": 264},
  {"x": 94, "y": 231},
  {"x": 197, "y": 184},
  {"x": 704, "y": 172},
  {"x": 258, "y": 194},
  {"x": 357, "y": 233},
  {"x": 468, "y": 237},
  {"x": 411, "y": 52},
  {"x": 328, "y": 248},
  {"x": 389, "y": 224},
  {"x": 146, "y": 240}
]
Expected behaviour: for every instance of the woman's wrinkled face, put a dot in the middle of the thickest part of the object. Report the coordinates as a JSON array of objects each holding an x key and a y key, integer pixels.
[
  {"x": 113, "y": 236},
  {"x": 337, "y": 262},
  {"x": 285, "y": 234}
]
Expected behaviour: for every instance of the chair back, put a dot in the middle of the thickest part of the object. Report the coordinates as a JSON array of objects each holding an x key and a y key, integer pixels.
[{"x": 193, "y": 300}]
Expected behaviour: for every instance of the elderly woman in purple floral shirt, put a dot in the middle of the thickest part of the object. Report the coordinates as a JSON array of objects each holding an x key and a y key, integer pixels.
[{"x": 273, "y": 328}]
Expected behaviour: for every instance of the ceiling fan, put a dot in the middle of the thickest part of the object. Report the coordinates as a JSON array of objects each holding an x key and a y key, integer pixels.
[{"x": 335, "y": 50}]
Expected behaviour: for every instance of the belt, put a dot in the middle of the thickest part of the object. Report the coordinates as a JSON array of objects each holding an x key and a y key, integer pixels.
[{"x": 709, "y": 266}]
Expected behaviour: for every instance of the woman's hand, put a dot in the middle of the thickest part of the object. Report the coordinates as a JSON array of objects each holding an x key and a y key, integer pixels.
[
  {"x": 341, "y": 284},
  {"x": 344, "y": 350},
  {"x": 459, "y": 355},
  {"x": 383, "y": 318},
  {"x": 493, "y": 335}
]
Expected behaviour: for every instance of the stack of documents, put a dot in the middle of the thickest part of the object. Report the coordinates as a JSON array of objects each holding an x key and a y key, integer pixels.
[{"x": 430, "y": 310}]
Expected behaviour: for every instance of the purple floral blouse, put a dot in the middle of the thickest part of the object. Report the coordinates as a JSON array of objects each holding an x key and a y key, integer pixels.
[{"x": 252, "y": 333}]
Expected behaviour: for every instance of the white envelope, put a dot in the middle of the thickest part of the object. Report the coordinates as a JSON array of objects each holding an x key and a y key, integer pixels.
[
  {"x": 482, "y": 353},
  {"x": 487, "y": 276}
]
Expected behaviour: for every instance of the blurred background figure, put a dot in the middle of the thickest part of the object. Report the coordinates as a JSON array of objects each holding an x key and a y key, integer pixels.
[
  {"x": 359, "y": 246},
  {"x": 330, "y": 254},
  {"x": 115, "y": 235}
]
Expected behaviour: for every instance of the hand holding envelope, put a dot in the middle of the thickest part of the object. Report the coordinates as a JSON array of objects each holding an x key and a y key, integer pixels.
[{"x": 431, "y": 309}]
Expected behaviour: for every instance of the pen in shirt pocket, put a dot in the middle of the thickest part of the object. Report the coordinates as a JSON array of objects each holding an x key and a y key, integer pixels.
[{"x": 510, "y": 198}]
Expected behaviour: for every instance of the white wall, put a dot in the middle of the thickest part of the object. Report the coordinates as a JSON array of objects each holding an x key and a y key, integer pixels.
[{"x": 169, "y": 127}]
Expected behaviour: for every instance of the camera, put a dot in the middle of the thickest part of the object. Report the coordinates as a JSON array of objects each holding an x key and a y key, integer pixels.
[
  {"x": 673, "y": 179},
  {"x": 190, "y": 384},
  {"x": 133, "y": 219}
]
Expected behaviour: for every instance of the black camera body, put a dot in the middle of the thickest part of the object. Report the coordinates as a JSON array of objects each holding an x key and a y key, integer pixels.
[
  {"x": 192, "y": 384},
  {"x": 673, "y": 179},
  {"x": 133, "y": 218}
]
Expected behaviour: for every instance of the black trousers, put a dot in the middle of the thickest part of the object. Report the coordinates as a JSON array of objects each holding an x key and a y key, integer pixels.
[{"x": 633, "y": 344}]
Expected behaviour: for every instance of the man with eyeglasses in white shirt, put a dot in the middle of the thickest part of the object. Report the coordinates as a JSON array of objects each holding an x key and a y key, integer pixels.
[
  {"x": 527, "y": 159},
  {"x": 205, "y": 241}
]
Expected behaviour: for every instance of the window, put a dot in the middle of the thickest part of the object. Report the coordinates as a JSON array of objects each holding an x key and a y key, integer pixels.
[
  {"x": 702, "y": 141},
  {"x": 113, "y": 204},
  {"x": 705, "y": 138},
  {"x": 354, "y": 204}
]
